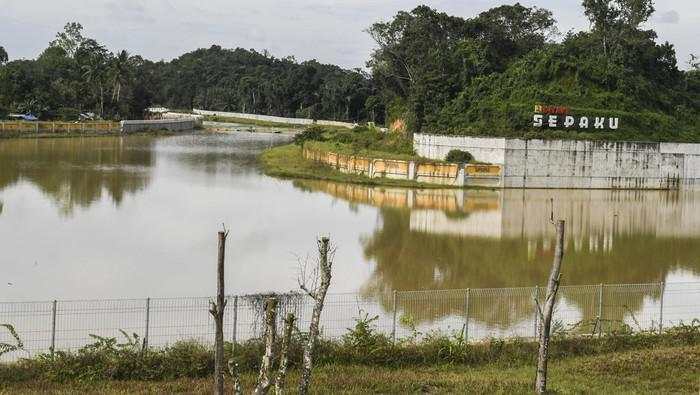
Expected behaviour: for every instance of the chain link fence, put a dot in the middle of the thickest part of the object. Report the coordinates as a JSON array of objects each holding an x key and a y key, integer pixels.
[{"x": 475, "y": 314}]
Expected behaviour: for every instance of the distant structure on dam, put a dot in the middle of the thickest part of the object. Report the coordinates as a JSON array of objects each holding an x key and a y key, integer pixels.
[{"x": 575, "y": 164}]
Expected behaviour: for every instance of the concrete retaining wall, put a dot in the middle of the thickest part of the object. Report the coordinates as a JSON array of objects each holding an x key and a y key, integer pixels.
[
  {"x": 425, "y": 172},
  {"x": 576, "y": 164},
  {"x": 173, "y": 125},
  {"x": 198, "y": 119},
  {"x": 270, "y": 118}
]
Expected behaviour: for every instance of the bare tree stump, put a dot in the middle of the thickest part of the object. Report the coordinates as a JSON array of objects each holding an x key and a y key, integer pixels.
[
  {"x": 217, "y": 310},
  {"x": 546, "y": 315},
  {"x": 284, "y": 355},
  {"x": 318, "y": 294},
  {"x": 265, "y": 375}
]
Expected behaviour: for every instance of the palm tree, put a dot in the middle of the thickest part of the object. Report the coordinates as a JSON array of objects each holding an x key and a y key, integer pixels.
[
  {"x": 121, "y": 71},
  {"x": 94, "y": 73}
]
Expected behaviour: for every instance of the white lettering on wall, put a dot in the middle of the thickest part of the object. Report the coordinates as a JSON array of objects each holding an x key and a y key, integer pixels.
[
  {"x": 583, "y": 123},
  {"x": 599, "y": 122},
  {"x": 569, "y": 121},
  {"x": 552, "y": 121},
  {"x": 537, "y": 121},
  {"x": 613, "y": 122}
]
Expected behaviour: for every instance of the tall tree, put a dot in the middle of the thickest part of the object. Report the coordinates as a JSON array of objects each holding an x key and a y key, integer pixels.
[
  {"x": 121, "y": 69},
  {"x": 3, "y": 55},
  {"x": 70, "y": 38}
]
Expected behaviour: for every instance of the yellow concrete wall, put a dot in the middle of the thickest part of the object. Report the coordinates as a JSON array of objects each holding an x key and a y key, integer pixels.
[
  {"x": 428, "y": 172},
  {"x": 58, "y": 127},
  {"x": 483, "y": 170}
]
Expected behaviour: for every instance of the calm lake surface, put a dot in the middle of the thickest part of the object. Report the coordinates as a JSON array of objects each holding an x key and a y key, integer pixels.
[{"x": 119, "y": 217}]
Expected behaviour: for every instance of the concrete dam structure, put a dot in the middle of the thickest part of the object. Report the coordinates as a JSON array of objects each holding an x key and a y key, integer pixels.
[{"x": 576, "y": 164}]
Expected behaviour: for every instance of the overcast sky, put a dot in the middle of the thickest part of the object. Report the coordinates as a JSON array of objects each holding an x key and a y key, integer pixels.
[{"x": 331, "y": 31}]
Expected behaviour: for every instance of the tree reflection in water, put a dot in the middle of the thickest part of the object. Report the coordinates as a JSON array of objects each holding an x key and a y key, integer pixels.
[{"x": 75, "y": 172}]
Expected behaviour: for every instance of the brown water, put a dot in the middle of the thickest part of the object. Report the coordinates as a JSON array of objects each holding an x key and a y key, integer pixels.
[{"x": 138, "y": 216}]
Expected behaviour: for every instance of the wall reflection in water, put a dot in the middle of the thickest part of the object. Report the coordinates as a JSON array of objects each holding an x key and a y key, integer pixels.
[{"x": 458, "y": 239}]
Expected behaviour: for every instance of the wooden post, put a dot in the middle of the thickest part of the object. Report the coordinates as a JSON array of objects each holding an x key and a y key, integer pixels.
[
  {"x": 600, "y": 310},
  {"x": 546, "y": 315},
  {"x": 466, "y": 318},
  {"x": 53, "y": 327},
  {"x": 393, "y": 322},
  {"x": 235, "y": 322},
  {"x": 217, "y": 310},
  {"x": 537, "y": 314},
  {"x": 661, "y": 307},
  {"x": 148, "y": 317}
]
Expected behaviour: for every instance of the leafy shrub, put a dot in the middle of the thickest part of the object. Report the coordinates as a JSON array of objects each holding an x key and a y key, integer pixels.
[
  {"x": 312, "y": 133},
  {"x": 458, "y": 156},
  {"x": 106, "y": 359}
]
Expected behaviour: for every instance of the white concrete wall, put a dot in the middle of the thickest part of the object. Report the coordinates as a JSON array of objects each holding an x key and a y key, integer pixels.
[
  {"x": 576, "y": 164},
  {"x": 270, "y": 118},
  {"x": 173, "y": 125},
  {"x": 490, "y": 150}
]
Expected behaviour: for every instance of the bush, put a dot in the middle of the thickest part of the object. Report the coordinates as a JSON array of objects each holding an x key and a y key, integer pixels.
[
  {"x": 312, "y": 133},
  {"x": 458, "y": 156}
]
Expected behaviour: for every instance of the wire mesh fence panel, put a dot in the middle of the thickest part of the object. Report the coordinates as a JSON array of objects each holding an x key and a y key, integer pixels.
[
  {"x": 78, "y": 321},
  {"x": 630, "y": 307},
  {"x": 176, "y": 319},
  {"x": 477, "y": 314},
  {"x": 501, "y": 312},
  {"x": 576, "y": 310},
  {"x": 32, "y": 321},
  {"x": 424, "y": 312},
  {"x": 680, "y": 304}
]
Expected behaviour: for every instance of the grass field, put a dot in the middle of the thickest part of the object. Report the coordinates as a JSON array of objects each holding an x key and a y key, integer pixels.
[{"x": 658, "y": 370}]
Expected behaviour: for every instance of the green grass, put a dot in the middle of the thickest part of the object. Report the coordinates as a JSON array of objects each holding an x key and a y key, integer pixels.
[
  {"x": 348, "y": 149},
  {"x": 648, "y": 371},
  {"x": 286, "y": 162},
  {"x": 366, "y": 361},
  {"x": 255, "y": 122}
]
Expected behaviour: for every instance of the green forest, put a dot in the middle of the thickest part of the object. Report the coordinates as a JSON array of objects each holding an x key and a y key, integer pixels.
[{"x": 439, "y": 73}]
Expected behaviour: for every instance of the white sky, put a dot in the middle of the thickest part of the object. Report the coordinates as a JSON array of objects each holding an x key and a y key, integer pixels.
[{"x": 331, "y": 31}]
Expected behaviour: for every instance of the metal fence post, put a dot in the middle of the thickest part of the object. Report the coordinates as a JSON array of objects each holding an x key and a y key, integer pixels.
[
  {"x": 466, "y": 318},
  {"x": 148, "y": 317},
  {"x": 235, "y": 322},
  {"x": 661, "y": 307},
  {"x": 393, "y": 325},
  {"x": 600, "y": 310},
  {"x": 537, "y": 312},
  {"x": 53, "y": 326}
]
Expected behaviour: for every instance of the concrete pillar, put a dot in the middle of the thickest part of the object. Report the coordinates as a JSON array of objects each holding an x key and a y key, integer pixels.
[
  {"x": 461, "y": 175},
  {"x": 411, "y": 170}
]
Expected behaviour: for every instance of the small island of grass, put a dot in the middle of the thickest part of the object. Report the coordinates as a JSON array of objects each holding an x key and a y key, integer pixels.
[{"x": 287, "y": 161}]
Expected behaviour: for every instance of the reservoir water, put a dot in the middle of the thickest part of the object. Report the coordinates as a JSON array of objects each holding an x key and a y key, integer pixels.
[{"x": 133, "y": 217}]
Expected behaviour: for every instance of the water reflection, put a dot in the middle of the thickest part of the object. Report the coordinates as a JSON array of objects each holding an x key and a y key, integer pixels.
[
  {"x": 75, "y": 172},
  {"x": 457, "y": 239}
]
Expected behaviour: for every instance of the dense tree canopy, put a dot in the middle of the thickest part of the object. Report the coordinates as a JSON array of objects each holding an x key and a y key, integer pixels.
[
  {"x": 434, "y": 71},
  {"x": 483, "y": 75},
  {"x": 78, "y": 74}
]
